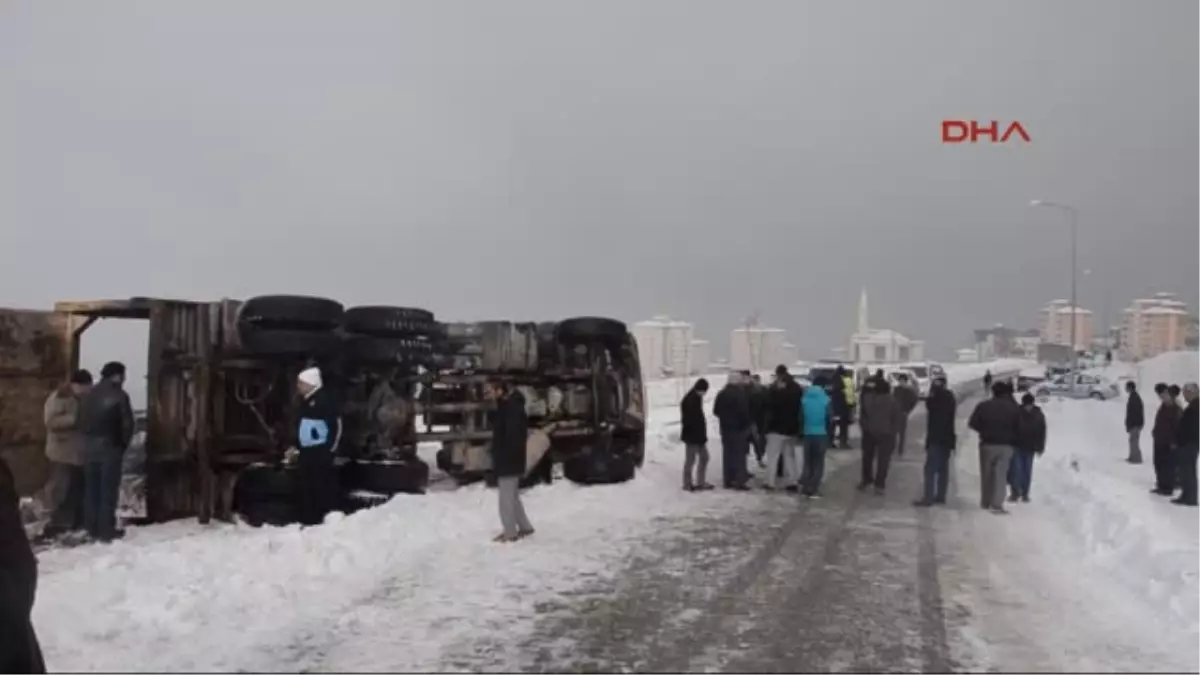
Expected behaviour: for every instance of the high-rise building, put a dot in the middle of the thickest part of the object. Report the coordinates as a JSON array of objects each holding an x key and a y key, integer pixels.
[
  {"x": 757, "y": 348},
  {"x": 1154, "y": 325},
  {"x": 1055, "y": 324},
  {"x": 664, "y": 347}
]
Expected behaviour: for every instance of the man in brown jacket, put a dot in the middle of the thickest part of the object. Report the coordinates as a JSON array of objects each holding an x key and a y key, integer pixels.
[
  {"x": 64, "y": 449},
  {"x": 881, "y": 417}
]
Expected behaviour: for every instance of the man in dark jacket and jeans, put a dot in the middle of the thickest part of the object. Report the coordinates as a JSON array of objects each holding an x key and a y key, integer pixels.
[
  {"x": 19, "y": 649},
  {"x": 881, "y": 416},
  {"x": 1166, "y": 428},
  {"x": 510, "y": 434},
  {"x": 732, "y": 409},
  {"x": 1031, "y": 442},
  {"x": 1135, "y": 419},
  {"x": 694, "y": 434},
  {"x": 106, "y": 422},
  {"x": 996, "y": 420},
  {"x": 940, "y": 440}
]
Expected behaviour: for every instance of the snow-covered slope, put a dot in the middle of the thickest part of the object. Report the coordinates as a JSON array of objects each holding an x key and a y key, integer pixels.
[{"x": 405, "y": 586}]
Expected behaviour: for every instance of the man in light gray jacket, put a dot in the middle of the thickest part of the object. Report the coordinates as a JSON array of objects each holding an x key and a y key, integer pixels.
[{"x": 64, "y": 449}]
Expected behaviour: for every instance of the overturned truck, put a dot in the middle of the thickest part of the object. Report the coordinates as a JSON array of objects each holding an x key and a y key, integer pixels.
[{"x": 221, "y": 404}]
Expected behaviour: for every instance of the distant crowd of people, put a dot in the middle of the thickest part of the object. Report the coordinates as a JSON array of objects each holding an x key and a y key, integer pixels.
[
  {"x": 777, "y": 421},
  {"x": 1174, "y": 437}
]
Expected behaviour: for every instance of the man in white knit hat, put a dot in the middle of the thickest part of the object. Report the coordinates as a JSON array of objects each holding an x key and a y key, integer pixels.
[{"x": 318, "y": 435}]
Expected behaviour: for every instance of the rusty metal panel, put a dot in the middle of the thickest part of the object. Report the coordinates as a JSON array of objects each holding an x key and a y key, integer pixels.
[
  {"x": 178, "y": 398},
  {"x": 35, "y": 358}
]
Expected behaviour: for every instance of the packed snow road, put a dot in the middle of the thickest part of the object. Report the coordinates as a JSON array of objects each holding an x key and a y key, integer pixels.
[{"x": 634, "y": 576}]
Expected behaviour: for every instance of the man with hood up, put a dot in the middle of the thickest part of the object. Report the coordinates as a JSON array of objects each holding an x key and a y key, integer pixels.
[
  {"x": 1031, "y": 441},
  {"x": 318, "y": 436},
  {"x": 881, "y": 417},
  {"x": 732, "y": 409}
]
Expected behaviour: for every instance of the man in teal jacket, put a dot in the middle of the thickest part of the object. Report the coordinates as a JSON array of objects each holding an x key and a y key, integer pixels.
[{"x": 815, "y": 407}]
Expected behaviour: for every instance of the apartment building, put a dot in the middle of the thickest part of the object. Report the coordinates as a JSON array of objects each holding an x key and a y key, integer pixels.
[
  {"x": 758, "y": 347},
  {"x": 701, "y": 357},
  {"x": 1054, "y": 325},
  {"x": 664, "y": 347},
  {"x": 1151, "y": 326}
]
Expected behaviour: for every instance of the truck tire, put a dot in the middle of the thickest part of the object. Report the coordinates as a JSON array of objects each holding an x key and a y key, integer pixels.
[
  {"x": 386, "y": 477},
  {"x": 276, "y": 513},
  {"x": 385, "y": 321},
  {"x": 600, "y": 468},
  {"x": 584, "y": 329},
  {"x": 269, "y": 341},
  {"x": 291, "y": 311},
  {"x": 373, "y": 349}
]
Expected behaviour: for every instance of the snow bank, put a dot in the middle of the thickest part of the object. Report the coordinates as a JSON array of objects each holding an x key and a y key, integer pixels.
[
  {"x": 406, "y": 586},
  {"x": 1139, "y": 540}
]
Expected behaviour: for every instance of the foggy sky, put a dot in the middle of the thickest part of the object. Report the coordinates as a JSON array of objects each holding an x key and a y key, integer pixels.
[{"x": 535, "y": 160}]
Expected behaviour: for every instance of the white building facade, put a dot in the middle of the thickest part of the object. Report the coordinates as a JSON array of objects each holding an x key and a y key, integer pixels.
[
  {"x": 756, "y": 348},
  {"x": 701, "y": 357},
  {"x": 664, "y": 347},
  {"x": 1054, "y": 326}
]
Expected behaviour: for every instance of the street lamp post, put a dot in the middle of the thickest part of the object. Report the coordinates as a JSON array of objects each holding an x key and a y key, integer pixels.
[{"x": 1072, "y": 218}]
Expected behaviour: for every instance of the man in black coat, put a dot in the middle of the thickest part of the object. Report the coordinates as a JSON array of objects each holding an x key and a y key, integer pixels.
[
  {"x": 510, "y": 434},
  {"x": 694, "y": 434},
  {"x": 782, "y": 428},
  {"x": 1031, "y": 442},
  {"x": 19, "y": 648},
  {"x": 1187, "y": 439},
  {"x": 732, "y": 409},
  {"x": 1164, "y": 433},
  {"x": 907, "y": 396},
  {"x": 1135, "y": 419},
  {"x": 757, "y": 397},
  {"x": 940, "y": 440}
]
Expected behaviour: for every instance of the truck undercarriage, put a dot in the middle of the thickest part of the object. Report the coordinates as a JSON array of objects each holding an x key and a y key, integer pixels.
[{"x": 221, "y": 404}]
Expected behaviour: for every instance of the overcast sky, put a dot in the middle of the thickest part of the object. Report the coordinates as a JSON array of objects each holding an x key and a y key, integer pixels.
[{"x": 535, "y": 160}]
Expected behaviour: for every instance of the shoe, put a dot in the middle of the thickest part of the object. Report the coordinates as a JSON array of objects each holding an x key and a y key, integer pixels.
[
  {"x": 504, "y": 538},
  {"x": 999, "y": 510},
  {"x": 705, "y": 487},
  {"x": 1182, "y": 502},
  {"x": 923, "y": 503},
  {"x": 792, "y": 489},
  {"x": 740, "y": 488},
  {"x": 863, "y": 486},
  {"x": 1025, "y": 499},
  {"x": 1165, "y": 493},
  {"x": 525, "y": 533},
  {"x": 878, "y": 492},
  {"x": 940, "y": 501},
  {"x": 688, "y": 488}
]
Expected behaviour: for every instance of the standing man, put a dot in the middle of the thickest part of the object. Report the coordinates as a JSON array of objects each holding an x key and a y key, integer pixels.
[
  {"x": 940, "y": 440},
  {"x": 907, "y": 396},
  {"x": 757, "y": 397},
  {"x": 1031, "y": 441},
  {"x": 783, "y": 427},
  {"x": 841, "y": 405},
  {"x": 996, "y": 421},
  {"x": 318, "y": 437},
  {"x": 987, "y": 381},
  {"x": 816, "y": 407},
  {"x": 1164, "y": 433},
  {"x": 1187, "y": 439},
  {"x": 881, "y": 418},
  {"x": 19, "y": 648},
  {"x": 510, "y": 433},
  {"x": 1135, "y": 419},
  {"x": 106, "y": 422},
  {"x": 694, "y": 434},
  {"x": 732, "y": 410},
  {"x": 64, "y": 449}
]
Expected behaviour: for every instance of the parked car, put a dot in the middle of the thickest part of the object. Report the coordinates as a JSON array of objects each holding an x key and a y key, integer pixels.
[
  {"x": 922, "y": 373},
  {"x": 1085, "y": 386}
]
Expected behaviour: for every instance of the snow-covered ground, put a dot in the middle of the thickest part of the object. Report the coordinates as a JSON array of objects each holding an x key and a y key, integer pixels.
[
  {"x": 410, "y": 585},
  {"x": 1096, "y": 574}
]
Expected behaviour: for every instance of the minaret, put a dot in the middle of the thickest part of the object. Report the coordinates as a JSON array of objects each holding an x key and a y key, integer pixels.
[{"x": 862, "y": 313}]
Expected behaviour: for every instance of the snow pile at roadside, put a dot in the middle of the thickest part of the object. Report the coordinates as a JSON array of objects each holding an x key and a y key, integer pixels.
[{"x": 1140, "y": 540}]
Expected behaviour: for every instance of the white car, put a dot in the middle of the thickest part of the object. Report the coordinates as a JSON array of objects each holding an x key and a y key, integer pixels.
[
  {"x": 1085, "y": 385},
  {"x": 922, "y": 374}
]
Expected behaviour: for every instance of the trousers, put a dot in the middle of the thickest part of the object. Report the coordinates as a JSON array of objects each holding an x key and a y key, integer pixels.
[{"x": 512, "y": 511}]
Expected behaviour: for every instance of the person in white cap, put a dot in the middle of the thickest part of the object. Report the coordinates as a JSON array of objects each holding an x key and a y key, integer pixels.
[{"x": 318, "y": 435}]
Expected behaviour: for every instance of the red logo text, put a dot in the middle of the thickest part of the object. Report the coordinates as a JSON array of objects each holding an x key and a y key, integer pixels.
[{"x": 970, "y": 131}]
